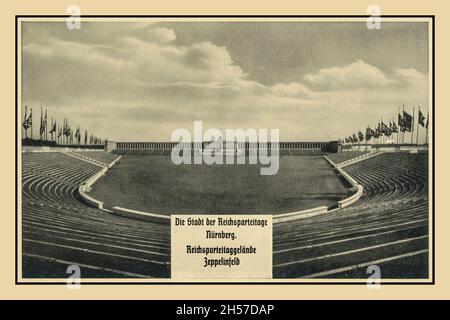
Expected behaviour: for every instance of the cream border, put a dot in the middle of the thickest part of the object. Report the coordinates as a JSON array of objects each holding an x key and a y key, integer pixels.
[{"x": 440, "y": 290}]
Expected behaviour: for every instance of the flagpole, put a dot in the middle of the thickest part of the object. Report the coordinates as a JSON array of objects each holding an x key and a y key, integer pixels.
[
  {"x": 25, "y": 119},
  {"x": 40, "y": 128},
  {"x": 403, "y": 132},
  {"x": 412, "y": 126},
  {"x": 26, "y": 127},
  {"x": 393, "y": 124},
  {"x": 381, "y": 136},
  {"x": 426, "y": 132},
  {"x": 45, "y": 128},
  {"x": 31, "y": 115},
  {"x": 64, "y": 140},
  {"x": 372, "y": 140},
  {"x": 398, "y": 125},
  {"x": 418, "y": 126}
]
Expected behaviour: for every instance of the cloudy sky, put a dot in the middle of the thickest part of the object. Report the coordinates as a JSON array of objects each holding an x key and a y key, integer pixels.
[{"x": 139, "y": 81}]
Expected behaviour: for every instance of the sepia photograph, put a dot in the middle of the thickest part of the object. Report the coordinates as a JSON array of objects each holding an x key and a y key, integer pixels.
[{"x": 225, "y": 149}]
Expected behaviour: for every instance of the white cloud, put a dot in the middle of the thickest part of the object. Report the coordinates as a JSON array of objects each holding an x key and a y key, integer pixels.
[
  {"x": 160, "y": 35},
  {"x": 411, "y": 76},
  {"x": 293, "y": 89},
  {"x": 356, "y": 75}
]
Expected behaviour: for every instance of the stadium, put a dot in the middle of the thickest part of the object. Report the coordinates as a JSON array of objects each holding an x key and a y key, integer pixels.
[
  {"x": 353, "y": 209},
  {"x": 354, "y": 182}
]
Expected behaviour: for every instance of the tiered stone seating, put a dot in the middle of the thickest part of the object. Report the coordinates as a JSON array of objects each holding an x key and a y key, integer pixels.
[
  {"x": 388, "y": 226},
  {"x": 59, "y": 230}
]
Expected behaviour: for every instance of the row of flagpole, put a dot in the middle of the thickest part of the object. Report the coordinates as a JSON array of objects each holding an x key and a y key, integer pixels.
[
  {"x": 405, "y": 123},
  {"x": 62, "y": 134}
]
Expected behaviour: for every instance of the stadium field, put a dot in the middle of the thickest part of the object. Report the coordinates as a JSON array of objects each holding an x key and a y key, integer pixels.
[{"x": 155, "y": 184}]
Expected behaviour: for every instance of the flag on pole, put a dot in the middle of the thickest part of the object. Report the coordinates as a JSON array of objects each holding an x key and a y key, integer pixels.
[
  {"x": 421, "y": 119},
  {"x": 360, "y": 136},
  {"x": 25, "y": 119},
  {"x": 53, "y": 129},
  {"x": 393, "y": 127},
  {"x": 384, "y": 129},
  {"x": 369, "y": 133},
  {"x": 41, "y": 127},
  {"x": 78, "y": 135},
  {"x": 65, "y": 127},
  {"x": 376, "y": 133},
  {"x": 407, "y": 121},
  {"x": 67, "y": 131},
  {"x": 28, "y": 120},
  {"x": 400, "y": 123},
  {"x": 44, "y": 123},
  {"x": 85, "y": 137}
]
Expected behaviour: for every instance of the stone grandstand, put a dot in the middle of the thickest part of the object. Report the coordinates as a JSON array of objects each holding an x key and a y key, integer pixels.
[
  {"x": 387, "y": 226},
  {"x": 59, "y": 230}
]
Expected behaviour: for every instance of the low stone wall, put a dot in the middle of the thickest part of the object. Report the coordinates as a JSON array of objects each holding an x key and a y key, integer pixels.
[
  {"x": 82, "y": 189},
  {"x": 299, "y": 214},
  {"x": 352, "y": 199},
  {"x": 114, "y": 162},
  {"x": 140, "y": 215},
  {"x": 358, "y": 159},
  {"x": 359, "y": 188},
  {"x": 89, "y": 200}
]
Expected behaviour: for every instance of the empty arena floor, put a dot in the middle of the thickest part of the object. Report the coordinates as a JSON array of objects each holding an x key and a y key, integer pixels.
[{"x": 155, "y": 184}]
